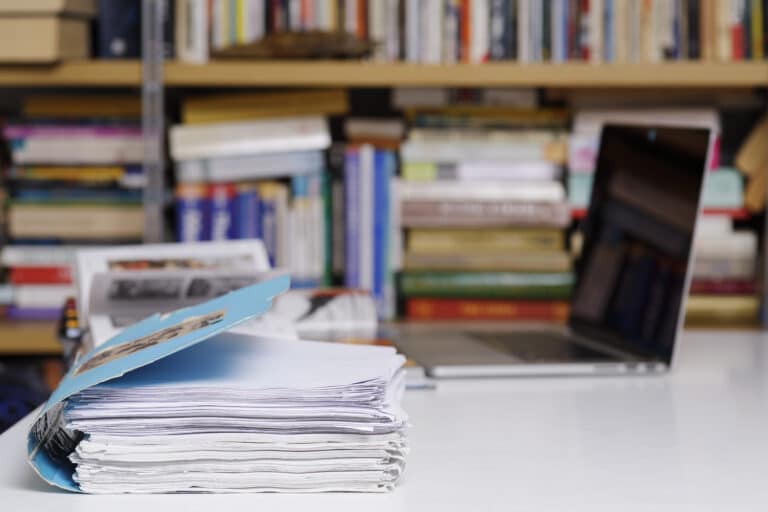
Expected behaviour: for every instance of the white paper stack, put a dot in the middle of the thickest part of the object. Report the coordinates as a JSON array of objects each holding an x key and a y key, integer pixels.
[{"x": 244, "y": 414}]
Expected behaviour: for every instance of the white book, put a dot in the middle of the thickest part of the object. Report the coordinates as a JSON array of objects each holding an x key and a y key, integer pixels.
[
  {"x": 740, "y": 244},
  {"x": 596, "y": 31},
  {"x": 432, "y": 31},
  {"x": 479, "y": 30},
  {"x": 547, "y": 191},
  {"x": 37, "y": 256},
  {"x": 367, "y": 155},
  {"x": 377, "y": 28},
  {"x": 713, "y": 226},
  {"x": 495, "y": 170},
  {"x": 412, "y": 31},
  {"x": 42, "y": 295},
  {"x": 192, "y": 31},
  {"x": 66, "y": 150},
  {"x": 524, "y": 31},
  {"x": 350, "y": 16},
  {"x": 190, "y": 142},
  {"x": 249, "y": 167},
  {"x": 392, "y": 47},
  {"x": 255, "y": 23}
]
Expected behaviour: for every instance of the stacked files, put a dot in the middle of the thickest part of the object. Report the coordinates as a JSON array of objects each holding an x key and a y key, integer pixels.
[{"x": 204, "y": 410}]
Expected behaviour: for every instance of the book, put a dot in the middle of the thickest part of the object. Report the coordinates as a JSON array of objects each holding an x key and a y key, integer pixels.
[
  {"x": 487, "y": 285},
  {"x": 723, "y": 287},
  {"x": 249, "y": 167},
  {"x": 481, "y": 170},
  {"x": 483, "y": 241},
  {"x": 75, "y": 222},
  {"x": 37, "y": 255},
  {"x": 42, "y": 296},
  {"x": 249, "y": 106},
  {"x": 486, "y": 310},
  {"x": 27, "y": 39},
  {"x": 484, "y": 214},
  {"x": 722, "y": 308},
  {"x": 40, "y": 275},
  {"x": 190, "y": 142},
  {"x": 528, "y": 191},
  {"x": 78, "y": 107},
  {"x": 549, "y": 261},
  {"x": 75, "y": 144},
  {"x": 80, "y": 8}
]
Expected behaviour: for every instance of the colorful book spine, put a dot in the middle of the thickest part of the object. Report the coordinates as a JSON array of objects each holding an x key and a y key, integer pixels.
[
  {"x": 352, "y": 218},
  {"x": 41, "y": 275},
  {"x": 490, "y": 285},
  {"x": 247, "y": 216},
  {"x": 222, "y": 211},
  {"x": 192, "y": 213},
  {"x": 489, "y": 310}
]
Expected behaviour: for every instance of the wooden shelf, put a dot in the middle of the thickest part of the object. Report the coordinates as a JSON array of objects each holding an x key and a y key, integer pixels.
[
  {"x": 28, "y": 338},
  {"x": 369, "y": 74}
]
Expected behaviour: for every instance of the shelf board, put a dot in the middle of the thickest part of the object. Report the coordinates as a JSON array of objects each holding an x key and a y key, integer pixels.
[
  {"x": 115, "y": 73},
  {"x": 19, "y": 338}
]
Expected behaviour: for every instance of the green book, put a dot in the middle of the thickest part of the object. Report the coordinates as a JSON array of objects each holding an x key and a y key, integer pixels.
[{"x": 488, "y": 285}]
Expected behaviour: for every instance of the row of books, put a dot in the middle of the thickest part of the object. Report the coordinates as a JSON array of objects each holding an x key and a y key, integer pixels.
[
  {"x": 448, "y": 31},
  {"x": 75, "y": 178}
]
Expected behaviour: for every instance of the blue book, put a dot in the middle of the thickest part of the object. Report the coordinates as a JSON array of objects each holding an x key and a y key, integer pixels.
[
  {"x": 247, "y": 223},
  {"x": 609, "y": 31},
  {"x": 352, "y": 219},
  {"x": 142, "y": 346},
  {"x": 223, "y": 212},
  {"x": 381, "y": 179},
  {"x": 192, "y": 214}
]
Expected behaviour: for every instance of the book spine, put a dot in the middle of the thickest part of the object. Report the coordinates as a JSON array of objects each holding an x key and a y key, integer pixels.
[
  {"x": 352, "y": 224},
  {"x": 756, "y": 29},
  {"x": 223, "y": 212},
  {"x": 479, "y": 36},
  {"x": 477, "y": 213},
  {"x": 41, "y": 275},
  {"x": 486, "y": 285},
  {"x": 489, "y": 310},
  {"x": 723, "y": 287},
  {"x": 694, "y": 28},
  {"x": 498, "y": 30},
  {"x": 380, "y": 229},
  {"x": 366, "y": 195},
  {"x": 246, "y": 207},
  {"x": 412, "y": 29},
  {"x": 465, "y": 30},
  {"x": 192, "y": 213},
  {"x": 119, "y": 29}
]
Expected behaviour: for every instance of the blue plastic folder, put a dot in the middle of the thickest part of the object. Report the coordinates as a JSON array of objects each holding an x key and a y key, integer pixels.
[{"x": 139, "y": 345}]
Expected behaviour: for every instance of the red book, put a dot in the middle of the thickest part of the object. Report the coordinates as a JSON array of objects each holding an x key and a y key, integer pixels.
[
  {"x": 41, "y": 275},
  {"x": 723, "y": 287},
  {"x": 737, "y": 41},
  {"x": 362, "y": 19},
  {"x": 464, "y": 29},
  {"x": 584, "y": 30},
  {"x": 461, "y": 309}
]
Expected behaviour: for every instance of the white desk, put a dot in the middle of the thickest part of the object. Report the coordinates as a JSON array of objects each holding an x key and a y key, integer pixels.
[{"x": 695, "y": 440}]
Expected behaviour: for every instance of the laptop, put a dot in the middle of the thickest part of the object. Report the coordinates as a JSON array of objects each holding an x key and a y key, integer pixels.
[{"x": 631, "y": 279}]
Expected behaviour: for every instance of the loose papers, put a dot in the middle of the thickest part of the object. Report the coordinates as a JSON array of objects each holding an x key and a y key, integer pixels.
[{"x": 235, "y": 413}]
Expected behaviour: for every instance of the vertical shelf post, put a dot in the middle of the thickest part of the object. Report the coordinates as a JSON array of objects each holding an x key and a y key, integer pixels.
[{"x": 153, "y": 119}]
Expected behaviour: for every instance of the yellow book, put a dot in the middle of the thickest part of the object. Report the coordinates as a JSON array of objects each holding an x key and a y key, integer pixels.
[
  {"x": 70, "y": 173},
  {"x": 441, "y": 241},
  {"x": 722, "y": 308},
  {"x": 78, "y": 106},
  {"x": 241, "y": 106},
  {"x": 757, "y": 29},
  {"x": 240, "y": 21}
]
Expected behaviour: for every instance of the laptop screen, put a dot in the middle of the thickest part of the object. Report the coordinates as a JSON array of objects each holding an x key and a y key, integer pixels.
[{"x": 632, "y": 275}]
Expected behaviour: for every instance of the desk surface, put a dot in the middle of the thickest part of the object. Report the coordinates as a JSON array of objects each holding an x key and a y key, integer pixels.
[{"x": 696, "y": 440}]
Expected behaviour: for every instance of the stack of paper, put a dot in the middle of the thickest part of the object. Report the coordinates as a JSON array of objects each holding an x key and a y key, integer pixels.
[{"x": 238, "y": 413}]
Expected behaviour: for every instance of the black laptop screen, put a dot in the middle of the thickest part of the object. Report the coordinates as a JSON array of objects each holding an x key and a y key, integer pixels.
[{"x": 638, "y": 234}]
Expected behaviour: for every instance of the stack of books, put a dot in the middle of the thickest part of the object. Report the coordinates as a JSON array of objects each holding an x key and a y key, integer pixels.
[
  {"x": 75, "y": 179},
  {"x": 484, "y": 210},
  {"x": 247, "y": 167},
  {"x": 439, "y": 31},
  {"x": 723, "y": 287}
]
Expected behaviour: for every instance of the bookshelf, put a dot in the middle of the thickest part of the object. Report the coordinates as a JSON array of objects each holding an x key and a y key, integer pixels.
[{"x": 116, "y": 73}]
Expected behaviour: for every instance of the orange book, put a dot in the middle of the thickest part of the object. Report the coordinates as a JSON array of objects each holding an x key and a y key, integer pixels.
[
  {"x": 362, "y": 19},
  {"x": 464, "y": 29},
  {"x": 486, "y": 309}
]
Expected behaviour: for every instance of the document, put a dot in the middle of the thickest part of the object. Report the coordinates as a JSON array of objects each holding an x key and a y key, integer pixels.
[{"x": 180, "y": 403}]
